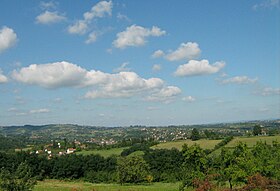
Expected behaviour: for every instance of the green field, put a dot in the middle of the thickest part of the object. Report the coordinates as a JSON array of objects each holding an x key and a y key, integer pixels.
[
  {"x": 205, "y": 144},
  {"x": 56, "y": 185},
  {"x": 104, "y": 153},
  {"x": 251, "y": 141}
]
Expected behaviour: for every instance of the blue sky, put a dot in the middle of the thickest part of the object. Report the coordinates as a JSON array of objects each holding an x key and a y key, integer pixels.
[{"x": 113, "y": 63}]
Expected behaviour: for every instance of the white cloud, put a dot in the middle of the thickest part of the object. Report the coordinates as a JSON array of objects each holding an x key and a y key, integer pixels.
[
  {"x": 48, "y": 5},
  {"x": 268, "y": 91},
  {"x": 186, "y": 51},
  {"x": 136, "y": 36},
  {"x": 157, "y": 54},
  {"x": 52, "y": 75},
  {"x": 35, "y": 111},
  {"x": 104, "y": 85},
  {"x": 123, "y": 17},
  {"x": 92, "y": 37},
  {"x": 267, "y": 4},
  {"x": 12, "y": 109},
  {"x": 3, "y": 78},
  {"x": 122, "y": 68},
  {"x": 223, "y": 75},
  {"x": 156, "y": 67},
  {"x": 239, "y": 80},
  {"x": 166, "y": 94},
  {"x": 188, "y": 99},
  {"x": 125, "y": 84},
  {"x": 8, "y": 38},
  {"x": 101, "y": 9},
  {"x": 49, "y": 18},
  {"x": 80, "y": 27},
  {"x": 195, "y": 68}
]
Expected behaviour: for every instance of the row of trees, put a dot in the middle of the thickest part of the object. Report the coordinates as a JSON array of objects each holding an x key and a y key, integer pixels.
[{"x": 193, "y": 166}]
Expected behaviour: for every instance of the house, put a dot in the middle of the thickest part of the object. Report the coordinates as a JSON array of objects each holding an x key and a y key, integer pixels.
[{"x": 70, "y": 150}]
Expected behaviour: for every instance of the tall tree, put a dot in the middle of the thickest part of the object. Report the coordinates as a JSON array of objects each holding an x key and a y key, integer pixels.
[
  {"x": 257, "y": 130},
  {"x": 195, "y": 135},
  {"x": 132, "y": 169}
]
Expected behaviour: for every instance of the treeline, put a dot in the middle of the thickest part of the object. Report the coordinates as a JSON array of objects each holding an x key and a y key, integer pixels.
[{"x": 194, "y": 167}]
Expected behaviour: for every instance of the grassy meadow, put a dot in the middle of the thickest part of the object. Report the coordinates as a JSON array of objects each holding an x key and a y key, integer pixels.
[
  {"x": 104, "y": 153},
  {"x": 205, "y": 144},
  {"x": 251, "y": 141},
  {"x": 56, "y": 185}
]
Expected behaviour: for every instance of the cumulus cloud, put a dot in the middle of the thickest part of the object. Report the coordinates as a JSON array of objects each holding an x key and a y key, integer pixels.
[
  {"x": 186, "y": 51},
  {"x": 157, "y": 54},
  {"x": 104, "y": 85},
  {"x": 3, "y": 78},
  {"x": 136, "y": 36},
  {"x": 101, "y": 9},
  {"x": 239, "y": 80},
  {"x": 125, "y": 84},
  {"x": 166, "y": 94},
  {"x": 156, "y": 67},
  {"x": 49, "y": 18},
  {"x": 51, "y": 75},
  {"x": 195, "y": 68},
  {"x": 188, "y": 99},
  {"x": 267, "y": 4},
  {"x": 8, "y": 38}
]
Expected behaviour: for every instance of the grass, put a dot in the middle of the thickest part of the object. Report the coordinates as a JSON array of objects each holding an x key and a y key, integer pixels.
[
  {"x": 56, "y": 185},
  {"x": 205, "y": 144},
  {"x": 251, "y": 141},
  {"x": 104, "y": 153}
]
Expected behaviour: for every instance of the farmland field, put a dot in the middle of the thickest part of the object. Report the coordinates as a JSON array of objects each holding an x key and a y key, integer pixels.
[
  {"x": 251, "y": 141},
  {"x": 104, "y": 153},
  {"x": 56, "y": 185},
  {"x": 205, "y": 144}
]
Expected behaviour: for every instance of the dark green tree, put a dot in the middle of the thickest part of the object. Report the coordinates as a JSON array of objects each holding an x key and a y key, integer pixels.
[
  {"x": 257, "y": 130},
  {"x": 20, "y": 180},
  {"x": 195, "y": 135}
]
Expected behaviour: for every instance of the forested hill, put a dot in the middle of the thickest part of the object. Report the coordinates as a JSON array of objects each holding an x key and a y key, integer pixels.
[{"x": 115, "y": 134}]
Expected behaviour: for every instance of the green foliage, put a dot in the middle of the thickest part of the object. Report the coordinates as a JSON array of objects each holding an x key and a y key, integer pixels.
[
  {"x": 257, "y": 130},
  {"x": 20, "y": 180},
  {"x": 136, "y": 147},
  {"x": 165, "y": 165},
  {"x": 195, "y": 135},
  {"x": 132, "y": 169},
  {"x": 195, "y": 165}
]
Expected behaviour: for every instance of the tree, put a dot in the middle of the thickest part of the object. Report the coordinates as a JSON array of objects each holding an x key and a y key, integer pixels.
[
  {"x": 257, "y": 130},
  {"x": 195, "y": 165},
  {"x": 21, "y": 180},
  {"x": 236, "y": 165},
  {"x": 195, "y": 135},
  {"x": 132, "y": 169}
]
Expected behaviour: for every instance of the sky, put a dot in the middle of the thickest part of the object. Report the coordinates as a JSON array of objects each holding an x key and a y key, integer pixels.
[{"x": 122, "y": 62}]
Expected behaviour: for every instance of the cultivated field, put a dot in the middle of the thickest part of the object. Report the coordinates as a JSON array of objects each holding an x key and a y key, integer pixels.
[
  {"x": 104, "y": 153},
  {"x": 205, "y": 144},
  {"x": 251, "y": 141},
  {"x": 56, "y": 185}
]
